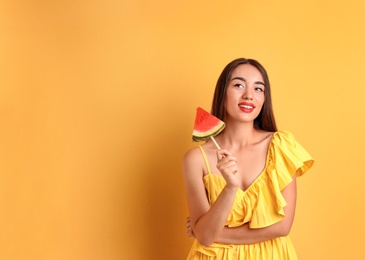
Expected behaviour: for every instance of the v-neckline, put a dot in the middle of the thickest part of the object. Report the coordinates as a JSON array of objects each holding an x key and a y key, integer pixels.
[{"x": 268, "y": 153}]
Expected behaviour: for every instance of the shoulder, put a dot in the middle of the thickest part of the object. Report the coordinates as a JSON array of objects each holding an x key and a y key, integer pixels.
[
  {"x": 193, "y": 160},
  {"x": 192, "y": 156},
  {"x": 197, "y": 154},
  {"x": 284, "y": 137},
  {"x": 193, "y": 167},
  {"x": 284, "y": 133},
  {"x": 265, "y": 135},
  {"x": 262, "y": 138}
]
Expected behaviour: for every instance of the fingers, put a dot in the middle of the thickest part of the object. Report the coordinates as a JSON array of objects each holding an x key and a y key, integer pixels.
[
  {"x": 222, "y": 153},
  {"x": 189, "y": 230},
  {"x": 227, "y": 165},
  {"x": 188, "y": 223},
  {"x": 225, "y": 160}
]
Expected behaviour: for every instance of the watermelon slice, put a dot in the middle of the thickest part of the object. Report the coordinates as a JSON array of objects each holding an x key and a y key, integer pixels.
[{"x": 206, "y": 126}]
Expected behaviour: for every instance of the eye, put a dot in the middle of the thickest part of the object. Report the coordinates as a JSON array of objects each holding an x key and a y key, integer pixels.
[
  {"x": 259, "y": 89},
  {"x": 239, "y": 85}
]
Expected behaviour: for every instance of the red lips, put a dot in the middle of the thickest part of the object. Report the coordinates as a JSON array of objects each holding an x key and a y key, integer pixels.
[{"x": 246, "y": 107}]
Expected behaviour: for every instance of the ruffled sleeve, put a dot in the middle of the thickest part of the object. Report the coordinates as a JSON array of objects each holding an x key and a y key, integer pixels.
[
  {"x": 262, "y": 204},
  {"x": 288, "y": 156},
  {"x": 285, "y": 158}
]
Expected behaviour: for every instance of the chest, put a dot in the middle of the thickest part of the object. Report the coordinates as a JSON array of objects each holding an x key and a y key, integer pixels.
[{"x": 251, "y": 162}]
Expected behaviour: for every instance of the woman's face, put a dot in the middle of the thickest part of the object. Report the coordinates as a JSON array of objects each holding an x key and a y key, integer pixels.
[{"x": 245, "y": 94}]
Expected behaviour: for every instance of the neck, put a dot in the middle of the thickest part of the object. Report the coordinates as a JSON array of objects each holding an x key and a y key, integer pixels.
[{"x": 237, "y": 135}]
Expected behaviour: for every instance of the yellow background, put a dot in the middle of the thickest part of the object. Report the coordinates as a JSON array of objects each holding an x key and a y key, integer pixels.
[{"x": 97, "y": 103}]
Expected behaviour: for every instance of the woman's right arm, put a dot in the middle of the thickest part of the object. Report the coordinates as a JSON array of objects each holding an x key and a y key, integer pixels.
[{"x": 208, "y": 221}]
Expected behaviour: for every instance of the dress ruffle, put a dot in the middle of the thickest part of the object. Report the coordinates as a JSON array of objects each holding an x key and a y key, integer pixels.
[
  {"x": 262, "y": 203},
  {"x": 279, "y": 248}
]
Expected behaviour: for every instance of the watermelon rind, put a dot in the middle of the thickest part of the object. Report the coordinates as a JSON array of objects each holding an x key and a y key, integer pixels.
[{"x": 203, "y": 136}]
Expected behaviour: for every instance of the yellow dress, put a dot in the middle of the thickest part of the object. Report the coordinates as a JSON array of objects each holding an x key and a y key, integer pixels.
[{"x": 260, "y": 205}]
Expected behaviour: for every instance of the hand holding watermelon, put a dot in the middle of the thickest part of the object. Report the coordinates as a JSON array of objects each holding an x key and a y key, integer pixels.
[
  {"x": 227, "y": 165},
  {"x": 206, "y": 126}
]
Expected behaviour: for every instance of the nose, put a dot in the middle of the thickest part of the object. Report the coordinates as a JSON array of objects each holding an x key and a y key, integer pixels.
[{"x": 247, "y": 94}]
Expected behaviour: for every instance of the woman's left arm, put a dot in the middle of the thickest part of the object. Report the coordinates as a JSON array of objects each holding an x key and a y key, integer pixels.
[{"x": 246, "y": 235}]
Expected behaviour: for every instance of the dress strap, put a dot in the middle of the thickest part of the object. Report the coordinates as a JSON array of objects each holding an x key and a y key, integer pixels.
[{"x": 205, "y": 158}]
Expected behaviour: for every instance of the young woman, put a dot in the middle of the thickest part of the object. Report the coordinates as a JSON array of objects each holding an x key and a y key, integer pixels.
[{"x": 242, "y": 198}]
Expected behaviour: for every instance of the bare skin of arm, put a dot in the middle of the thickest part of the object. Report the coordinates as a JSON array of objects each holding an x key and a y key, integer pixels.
[{"x": 207, "y": 222}]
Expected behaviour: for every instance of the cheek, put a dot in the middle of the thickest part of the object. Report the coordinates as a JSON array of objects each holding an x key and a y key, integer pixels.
[
  {"x": 229, "y": 98},
  {"x": 230, "y": 102},
  {"x": 232, "y": 95},
  {"x": 261, "y": 99}
]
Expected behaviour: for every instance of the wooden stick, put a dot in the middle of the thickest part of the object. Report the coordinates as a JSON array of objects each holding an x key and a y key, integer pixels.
[{"x": 211, "y": 137}]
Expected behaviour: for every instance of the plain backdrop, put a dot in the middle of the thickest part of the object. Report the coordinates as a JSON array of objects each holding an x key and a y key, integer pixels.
[{"x": 97, "y": 104}]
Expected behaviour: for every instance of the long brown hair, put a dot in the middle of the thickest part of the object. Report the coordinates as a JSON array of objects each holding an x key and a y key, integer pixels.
[{"x": 265, "y": 120}]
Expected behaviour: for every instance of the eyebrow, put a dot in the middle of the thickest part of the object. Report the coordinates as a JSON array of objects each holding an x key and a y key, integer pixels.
[{"x": 243, "y": 79}]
